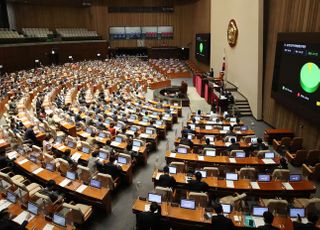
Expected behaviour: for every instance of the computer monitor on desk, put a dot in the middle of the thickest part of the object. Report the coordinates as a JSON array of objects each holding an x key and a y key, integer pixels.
[
  {"x": 232, "y": 176},
  {"x": 11, "y": 197},
  {"x": 172, "y": 170},
  {"x": 182, "y": 150},
  {"x": 210, "y": 153},
  {"x": 295, "y": 177},
  {"x": 59, "y": 220},
  {"x": 188, "y": 204},
  {"x": 294, "y": 212},
  {"x": 33, "y": 208},
  {"x": 118, "y": 139},
  {"x": 269, "y": 155},
  {"x": 227, "y": 208},
  {"x": 122, "y": 160},
  {"x": 85, "y": 150},
  {"x": 103, "y": 155},
  {"x": 152, "y": 197},
  {"x": 95, "y": 183},
  {"x": 258, "y": 211},
  {"x": 240, "y": 154},
  {"x": 203, "y": 173},
  {"x": 264, "y": 178},
  {"x": 50, "y": 167},
  {"x": 136, "y": 143},
  {"x": 71, "y": 175}
]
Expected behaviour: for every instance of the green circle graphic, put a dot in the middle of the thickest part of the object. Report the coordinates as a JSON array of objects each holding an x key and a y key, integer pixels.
[
  {"x": 201, "y": 46},
  {"x": 310, "y": 77}
]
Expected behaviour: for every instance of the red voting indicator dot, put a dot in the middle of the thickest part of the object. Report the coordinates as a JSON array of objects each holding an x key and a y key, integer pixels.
[{"x": 298, "y": 94}]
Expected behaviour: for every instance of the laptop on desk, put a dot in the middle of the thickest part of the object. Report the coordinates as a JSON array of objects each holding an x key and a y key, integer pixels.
[
  {"x": 59, "y": 220},
  {"x": 188, "y": 204}
]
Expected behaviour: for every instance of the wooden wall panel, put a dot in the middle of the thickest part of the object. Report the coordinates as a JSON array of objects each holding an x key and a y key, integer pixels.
[{"x": 288, "y": 16}]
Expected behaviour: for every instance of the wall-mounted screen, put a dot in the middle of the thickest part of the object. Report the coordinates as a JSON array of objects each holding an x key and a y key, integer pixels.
[
  {"x": 296, "y": 76},
  {"x": 117, "y": 33},
  {"x": 149, "y": 32},
  {"x": 203, "y": 48},
  {"x": 133, "y": 32},
  {"x": 165, "y": 32}
]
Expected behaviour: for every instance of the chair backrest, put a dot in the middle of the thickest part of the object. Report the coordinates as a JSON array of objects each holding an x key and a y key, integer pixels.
[
  {"x": 74, "y": 214},
  {"x": 313, "y": 204},
  {"x": 106, "y": 180},
  {"x": 179, "y": 165},
  {"x": 84, "y": 173},
  {"x": 86, "y": 145},
  {"x": 300, "y": 157},
  {"x": 285, "y": 141},
  {"x": 261, "y": 153},
  {"x": 6, "y": 177},
  {"x": 63, "y": 166},
  {"x": 281, "y": 174},
  {"x": 278, "y": 206},
  {"x": 296, "y": 144},
  {"x": 247, "y": 139},
  {"x": 248, "y": 173},
  {"x": 166, "y": 193},
  {"x": 201, "y": 198},
  {"x": 228, "y": 138},
  {"x": 313, "y": 157},
  {"x": 184, "y": 146},
  {"x": 47, "y": 158},
  {"x": 46, "y": 199},
  {"x": 238, "y": 201},
  {"x": 211, "y": 171},
  {"x": 36, "y": 149}
]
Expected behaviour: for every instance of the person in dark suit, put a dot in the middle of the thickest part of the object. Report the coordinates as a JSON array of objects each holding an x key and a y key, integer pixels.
[
  {"x": 220, "y": 221},
  {"x": 7, "y": 223},
  {"x": 165, "y": 180},
  {"x": 259, "y": 145},
  {"x": 185, "y": 141},
  {"x": 30, "y": 135},
  {"x": 208, "y": 145},
  {"x": 197, "y": 185},
  {"x": 234, "y": 145},
  {"x": 268, "y": 219},
  {"x": 110, "y": 168},
  {"x": 311, "y": 225},
  {"x": 150, "y": 220},
  {"x": 187, "y": 131}
]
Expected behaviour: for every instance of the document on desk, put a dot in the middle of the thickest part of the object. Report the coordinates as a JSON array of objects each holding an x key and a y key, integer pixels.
[
  {"x": 2, "y": 141},
  {"x": 4, "y": 204},
  {"x": 201, "y": 158},
  {"x": 254, "y": 185},
  {"x": 287, "y": 185},
  {"x": 227, "y": 144},
  {"x": 147, "y": 207},
  {"x": 232, "y": 160},
  {"x": 48, "y": 227},
  {"x": 76, "y": 156},
  {"x": 81, "y": 188},
  {"x": 173, "y": 155},
  {"x": 230, "y": 184},
  {"x": 114, "y": 143},
  {"x": 223, "y": 131},
  {"x": 144, "y": 135},
  {"x": 23, "y": 161},
  {"x": 233, "y": 123},
  {"x": 37, "y": 171},
  {"x": 258, "y": 221},
  {"x": 12, "y": 155},
  {"x": 62, "y": 147},
  {"x": 64, "y": 182},
  {"x": 22, "y": 217},
  {"x": 135, "y": 148},
  {"x": 268, "y": 161}
]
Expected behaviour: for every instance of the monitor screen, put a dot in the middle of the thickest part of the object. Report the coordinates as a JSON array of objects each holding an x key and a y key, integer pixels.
[
  {"x": 102, "y": 135},
  {"x": 190, "y": 136},
  {"x": 232, "y": 176},
  {"x": 50, "y": 167},
  {"x": 226, "y": 128},
  {"x": 59, "y": 220},
  {"x": 197, "y": 118},
  {"x": 122, "y": 160},
  {"x": 118, "y": 139},
  {"x": 203, "y": 173},
  {"x": 293, "y": 212},
  {"x": 95, "y": 183},
  {"x": 58, "y": 140},
  {"x": 240, "y": 154},
  {"x": 33, "y": 208},
  {"x": 208, "y": 127},
  {"x": 193, "y": 126},
  {"x": 254, "y": 140},
  {"x": 11, "y": 197},
  {"x": 244, "y": 128},
  {"x": 71, "y": 144},
  {"x": 103, "y": 155},
  {"x": 269, "y": 155},
  {"x": 172, "y": 170},
  {"x": 258, "y": 211},
  {"x": 85, "y": 149},
  {"x": 136, "y": 143},
  {"x": 226, "y": 208},
  {"x": 88, "y": 130},
  {"x": 296, "y": 72},
  {"x": 182, "y": 150},
  {"x": 188, "y": 204},
  {"x": 149, "y": 131},
  {"x": 33, "y": 158},
  {"x": 133, "y": 128},
  {"x": 295, "y": 177},
  {"x": 71, "y": 175},
  {"x": 158, "y": 122},
  {"x": 210, "y": 137},
  {"x": 233, "y": 119},
  {"x": 152, "y": 197},
  {"x": 264, "y": 178},
  {"x": 211, "y": 153}
]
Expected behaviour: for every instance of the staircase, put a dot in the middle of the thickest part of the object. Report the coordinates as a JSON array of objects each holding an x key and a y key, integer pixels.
[{"x": 241, "y": 105}]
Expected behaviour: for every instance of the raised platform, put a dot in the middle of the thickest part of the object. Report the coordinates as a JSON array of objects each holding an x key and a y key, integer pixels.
[{"x": 172, "y": 95}]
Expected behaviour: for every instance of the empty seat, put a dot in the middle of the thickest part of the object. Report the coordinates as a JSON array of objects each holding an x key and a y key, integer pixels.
[
  {"x": 201, "y": 198},
  {"x": 236, "y": 201},
  {"x": 313, "y": 173},
  {"x": 312, "y": 204},
  {"x": 211, "y": 171},
  {"x": 248, "y": 173},
  {"x": 78, "y": 213},
  {"x": 298, "y": 158},
  {"x": 313, "y": 157},
  {"x": 277, "y": 206},
  {"x": 281, "y": 174},
  {"x": 296, "y": 144},
  {"x": 166, "y": 193},
  {"x": 285, "y": 141}
]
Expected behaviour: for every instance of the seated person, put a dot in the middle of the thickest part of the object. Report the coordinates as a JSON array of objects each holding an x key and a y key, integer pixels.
[
  {"x": 311, "y": 225},
  {"x": 150, "y": 220},
  {"x": 66, "y": 156},
  {"x": 92, "y": 161},
  {"x": 268, "y": 219},
  {"x": 51, "y": 192},
  {"x": 110, "y": 168},
  {"x": 187, "y": 130},
  {"x": 259, "y": 145},
  {"x": 6, "y": 221},
  {"x": 112, "y": 130},
  {"x": 197, "y": 185},
  {"x": 220, "y": 221},
  {"x": 234, "y": 145},
  {"x": 30, "y": 135},
  {"x": 91, "y": 139},
  {"x": 185, "y": 141},
  {"x": 165, "y": 180},
  {"x": 208, "y": 145}
]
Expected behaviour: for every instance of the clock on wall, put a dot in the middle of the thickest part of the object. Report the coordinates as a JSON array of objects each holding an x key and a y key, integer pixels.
[{"x": 232, "y": 33}]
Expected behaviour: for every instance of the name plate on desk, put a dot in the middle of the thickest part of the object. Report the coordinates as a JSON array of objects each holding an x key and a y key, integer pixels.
[
  {"x": 232, "y": 160},
  {"x": 173, "y": 155},
  {"x": 81, "y": 188},
  {"x": 223, "y": 131},
  {"x": 64, "y": 182},
  {"x": 254, "y": 185},
  {"x": 114, "y": 143},
  {"x": 201, "y": 158},
  {"x": 23, "y": 161},
  {"x": 268, "y": 161},
  {"x": 230, "y": 184},
  {"x": 287, "y": 186},
  {"x": 48, "y": 227},
  {"x": 37, "y": 171}
]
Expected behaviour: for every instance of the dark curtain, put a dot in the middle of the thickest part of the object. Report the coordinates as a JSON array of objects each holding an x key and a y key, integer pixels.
[{"x": 4, "y": 23}]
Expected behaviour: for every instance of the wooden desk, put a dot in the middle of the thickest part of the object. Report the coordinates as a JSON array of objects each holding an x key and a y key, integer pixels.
[
  {"x": 216, "y": 144},
  {"x": 100, "y": 198},
  {"x": 222, "y": 132},
  {"x": 270, "y": 134},
  {"x": 219, "y": 186},
  {"x": 194, "y": 219},
  {"x": 4, "y": 144},
  {"x": 68, "y": 128},
  {"x": 219, "y": 160}
]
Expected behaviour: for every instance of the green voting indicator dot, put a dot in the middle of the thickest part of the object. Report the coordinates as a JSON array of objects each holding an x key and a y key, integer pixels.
[
  {"x": 310, "y": 77},
  {"x": 201, "y": 47}
]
